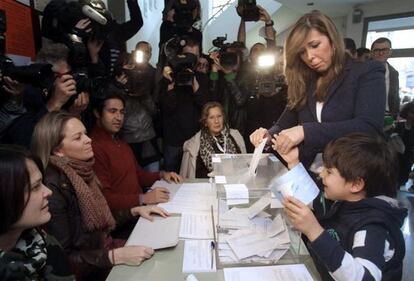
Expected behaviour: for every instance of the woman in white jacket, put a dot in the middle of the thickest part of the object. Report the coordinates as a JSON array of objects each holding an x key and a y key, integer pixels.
[{"x": 214, "y": 138}]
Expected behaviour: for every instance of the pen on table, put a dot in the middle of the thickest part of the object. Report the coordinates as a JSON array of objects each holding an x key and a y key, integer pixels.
[
  {"x": 213, "y": 243},
  {"x": 213, "y": 246}
]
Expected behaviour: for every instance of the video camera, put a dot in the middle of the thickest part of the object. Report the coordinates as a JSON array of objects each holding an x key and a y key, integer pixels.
[
  {"x": 248, "y": 10},
  {"x": 268, "y": 81},
  {"x": 184, "y": 12},
  {"x": 228, "y": 52},
  {"x": 38, "y": 75},
  {"x": 60, "y": 18},
  {"x": 182, "y": 64}
]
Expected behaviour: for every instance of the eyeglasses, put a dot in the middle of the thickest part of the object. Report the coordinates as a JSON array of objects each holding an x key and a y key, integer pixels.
[{"x": 383, "y": 50}]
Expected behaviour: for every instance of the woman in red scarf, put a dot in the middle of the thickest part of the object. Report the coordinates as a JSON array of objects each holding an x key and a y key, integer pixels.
[{"x": 81, "y": 219}]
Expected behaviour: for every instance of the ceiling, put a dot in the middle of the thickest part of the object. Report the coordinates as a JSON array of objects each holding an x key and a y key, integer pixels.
[{"x": 334, "y": 8}]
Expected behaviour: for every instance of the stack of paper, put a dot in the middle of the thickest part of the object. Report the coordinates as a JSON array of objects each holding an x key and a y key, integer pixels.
[
  {"x": 191, "y": 197},
  {"x": 261, "y": 240},
  {"x": 196, "y": 226}
]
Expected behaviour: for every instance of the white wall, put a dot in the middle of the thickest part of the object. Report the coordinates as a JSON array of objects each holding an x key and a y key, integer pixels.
[
  {"x": 355, "y": 30},
  {"x": 150, "y": 31},
  {"x": 228, "y": 23}
]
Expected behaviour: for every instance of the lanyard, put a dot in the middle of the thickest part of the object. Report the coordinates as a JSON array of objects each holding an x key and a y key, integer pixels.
[{"x": 219, "y": 146}]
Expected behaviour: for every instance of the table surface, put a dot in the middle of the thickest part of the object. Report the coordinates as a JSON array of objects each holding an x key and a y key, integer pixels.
[{"x": 167, "y": 264}]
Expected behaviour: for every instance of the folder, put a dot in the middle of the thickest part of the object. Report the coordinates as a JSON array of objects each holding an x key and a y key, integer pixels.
[{"x": 158, "y": 234}]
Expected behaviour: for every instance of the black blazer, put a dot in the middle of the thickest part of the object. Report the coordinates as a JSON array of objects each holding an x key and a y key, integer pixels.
[{"x": 355, "y": 103}]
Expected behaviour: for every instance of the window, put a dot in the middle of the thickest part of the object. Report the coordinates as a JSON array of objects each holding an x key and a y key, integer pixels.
[
  {"x": 218, "y": 6},
  {"x": 400, "y": 30}
]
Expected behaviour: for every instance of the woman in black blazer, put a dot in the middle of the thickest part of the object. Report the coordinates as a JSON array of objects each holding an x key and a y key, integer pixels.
[{"x": 329, "y": 95}]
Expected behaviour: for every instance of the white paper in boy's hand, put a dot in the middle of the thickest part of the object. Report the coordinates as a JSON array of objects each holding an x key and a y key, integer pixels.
[
  {"x": 296, "y": 183},
  {"x": 305, "y": 193}
]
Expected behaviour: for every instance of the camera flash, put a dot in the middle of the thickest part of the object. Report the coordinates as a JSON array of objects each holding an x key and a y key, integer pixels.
[
  {"x": 267, "y": 60},
  {"x": 139, "y": 56}
]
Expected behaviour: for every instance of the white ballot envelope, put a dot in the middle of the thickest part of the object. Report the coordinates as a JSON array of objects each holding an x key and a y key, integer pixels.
[{"x": 257, "y": 154}]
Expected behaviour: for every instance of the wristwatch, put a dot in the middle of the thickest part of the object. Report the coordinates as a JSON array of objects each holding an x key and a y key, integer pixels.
[{"x": 269, "y": 23}]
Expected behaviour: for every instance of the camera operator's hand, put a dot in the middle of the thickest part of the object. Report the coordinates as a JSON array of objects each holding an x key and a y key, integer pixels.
[
  {"x": 80, "y": 104},
  {"x": 122, "y": 79},
  {"x": 170, "y": 15},
  {"x": 83, "y": 24},
  {"x": 94, "y": 46},
  {"x": 264, "y": 15},
  {"x": 195, "y": 84},
  {"x": 13, "y": 87},
  {"x": 167, "y": 73},
  {"x": 216, "y": 67},
  {"x": 64, "y": 88}
]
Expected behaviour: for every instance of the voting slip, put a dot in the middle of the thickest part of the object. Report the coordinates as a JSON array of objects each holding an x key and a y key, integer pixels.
[
  {"x": 257, "y": 154},
  {"x": 199, "y": 256},
  {"x": 236, "y": 194},
  {"x": 196, "y": 226},
  {"x": 291, "y": 272},
  {"x": 296, "y": 183},
  {"x": 191, "y": 197},
  {"x": 153, "y": 234}
]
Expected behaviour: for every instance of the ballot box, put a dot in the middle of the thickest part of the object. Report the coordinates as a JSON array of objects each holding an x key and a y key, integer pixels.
[{"x": 251, "y": 228}]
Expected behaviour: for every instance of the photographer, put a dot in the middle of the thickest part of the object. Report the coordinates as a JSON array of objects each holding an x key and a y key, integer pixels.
[
  {"x": 38, "y": 102},
  {"x": 11, "y": 102},
  {"x": 178, "y": 19},
  {"x": 120, "y": 33},
  {"x": 224, "y": 87},
  {"x": 183, "y": 93},
  {"x": 137, "y": 80}
]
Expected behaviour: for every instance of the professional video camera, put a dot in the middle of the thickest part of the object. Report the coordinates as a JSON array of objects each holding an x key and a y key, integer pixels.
[
  {"x": 38, "y": 75},
  {"x": 60, "y": 18},
  {"x": 248, "y": 10},
  {"x": 182, "y": 64},
  {"x": 184, "y": 12},
  {"x": 268, "y": 81},
  {"x": 228, "y": 52}
]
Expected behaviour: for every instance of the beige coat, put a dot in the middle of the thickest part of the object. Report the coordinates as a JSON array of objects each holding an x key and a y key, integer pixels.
[{"x": 191, "y": 148}]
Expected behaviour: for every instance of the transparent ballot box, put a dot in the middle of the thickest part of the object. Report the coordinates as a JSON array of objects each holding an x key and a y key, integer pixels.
[{"x": 250, "y": 223}]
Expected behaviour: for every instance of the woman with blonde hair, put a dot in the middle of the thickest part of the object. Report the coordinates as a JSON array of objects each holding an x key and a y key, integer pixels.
[
  {"x": 329, "y": 95},
  {"x": 81, "y": 219},
  {"x": 214, "y": 138}
]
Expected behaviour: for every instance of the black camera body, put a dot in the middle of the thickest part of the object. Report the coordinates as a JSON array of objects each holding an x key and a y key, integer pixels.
[
  {"x": 248, "y": 10},
  {"x": 38, "y": 75},
  {"x": 93, "y": 86},
  {"x": 183, "y": 66},
  {"x": 59, "y": 20},
  {"x": 228, "y": 52}
]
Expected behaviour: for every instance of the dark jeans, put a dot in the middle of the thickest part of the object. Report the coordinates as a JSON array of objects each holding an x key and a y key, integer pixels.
[{"x": 172, "y": 158}]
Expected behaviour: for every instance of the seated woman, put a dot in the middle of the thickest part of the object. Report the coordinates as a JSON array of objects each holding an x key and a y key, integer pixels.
[
  {"x": 26, "y": 252},
  {"x": 215, "y": 137},
  {"x": 81, "y": 219}
]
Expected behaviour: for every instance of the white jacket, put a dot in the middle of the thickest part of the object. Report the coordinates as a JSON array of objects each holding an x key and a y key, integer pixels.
[{"x": 191, "y": 148}]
